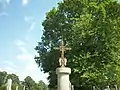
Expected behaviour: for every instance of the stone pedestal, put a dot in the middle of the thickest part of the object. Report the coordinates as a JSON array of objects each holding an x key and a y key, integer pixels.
[{"x": 63, "y": 78}]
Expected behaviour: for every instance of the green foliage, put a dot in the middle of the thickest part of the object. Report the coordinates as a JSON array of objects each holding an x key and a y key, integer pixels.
[
  {"x": 3, "y": 87},
  {"x": 2, "y": 77},
  {"x": 13, "y": 87},
  {"x": 29, "y": 82},
  {"x": 42, "y": 85},
  {"x": 92, "y": 29}
]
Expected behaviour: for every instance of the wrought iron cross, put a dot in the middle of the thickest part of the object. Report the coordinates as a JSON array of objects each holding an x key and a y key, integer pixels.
[{"x": 62, "y": 49}]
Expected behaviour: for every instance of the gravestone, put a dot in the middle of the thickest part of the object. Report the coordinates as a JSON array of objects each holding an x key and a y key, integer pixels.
[
  {"x": 62, "y": 71},
  {"x": 93, "y": 88},
  {"x": 72, "y": 87},
  {"x": 107, "y": 88},
  {"x": 24, "y": 88},
  {"x": 16, "y": 87},
  {"x": 9, "y": 84},
  {"x": 116, "y": 88}
]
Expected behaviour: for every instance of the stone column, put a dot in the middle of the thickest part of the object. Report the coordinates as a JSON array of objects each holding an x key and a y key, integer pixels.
[{"x": 63, "y": 78}]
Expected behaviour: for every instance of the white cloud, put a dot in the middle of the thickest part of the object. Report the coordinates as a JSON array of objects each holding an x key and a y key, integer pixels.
[
  {"x": 25, "y": 2},
  {"x": 19, "y": 43},
  {"x": 27, "y": 37},
  {"x": 11, "y": 64},
  {"x": 32, "y": 26},
  {"x": 23, "y": 49},
  {"x": 32, "y": 66},
  {"x": 28, "y": 18},
  {"x": 8, "y": 69},
  {"x": 3, "y": 14},
  {"x": 25, "y": 57},
  {"x": 8, "y": 1},
  {"x": 21, "y": 46},
  {"x": 4, "y": 3},
  {"x": 1, "y": 69}
]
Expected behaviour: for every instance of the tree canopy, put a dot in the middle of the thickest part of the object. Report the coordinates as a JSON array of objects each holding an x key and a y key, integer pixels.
[{"x": 92, "y": 29}]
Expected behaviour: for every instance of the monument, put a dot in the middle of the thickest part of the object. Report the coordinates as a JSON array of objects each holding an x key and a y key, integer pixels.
[
  {"x": 9, "y": 84},
  {"x": 63, "y": 72}
]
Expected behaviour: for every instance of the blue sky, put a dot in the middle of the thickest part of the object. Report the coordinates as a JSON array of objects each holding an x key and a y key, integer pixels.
[{"x": 20, "y": 30}]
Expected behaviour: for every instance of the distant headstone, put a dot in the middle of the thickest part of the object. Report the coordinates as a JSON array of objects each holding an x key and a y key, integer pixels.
[
  {"x": 72, "y": 87},
  {"x": 107, "y": 88},
  {"x": 16, "y": 87},
  {"x": 116, "y": 87},
  {"x": 9, "y": 84},
  {"x": 93, "y": 87},
  {"x": 24, "y": 88}
]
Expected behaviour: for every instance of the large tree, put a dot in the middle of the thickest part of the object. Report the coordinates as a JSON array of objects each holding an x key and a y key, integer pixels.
[
  {"x": 29, "y": 83},
  {"x": 92, "y": 29}
]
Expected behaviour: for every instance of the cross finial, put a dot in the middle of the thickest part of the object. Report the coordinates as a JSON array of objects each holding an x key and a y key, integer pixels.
[{"x": 62, "y": 49}]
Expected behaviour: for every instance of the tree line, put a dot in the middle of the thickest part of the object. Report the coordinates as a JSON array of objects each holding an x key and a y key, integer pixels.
[{"x": 28, "y": 82}]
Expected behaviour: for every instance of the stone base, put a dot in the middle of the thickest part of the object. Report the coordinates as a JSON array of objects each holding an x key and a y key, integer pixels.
[{"x": 63, "y": 78}]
